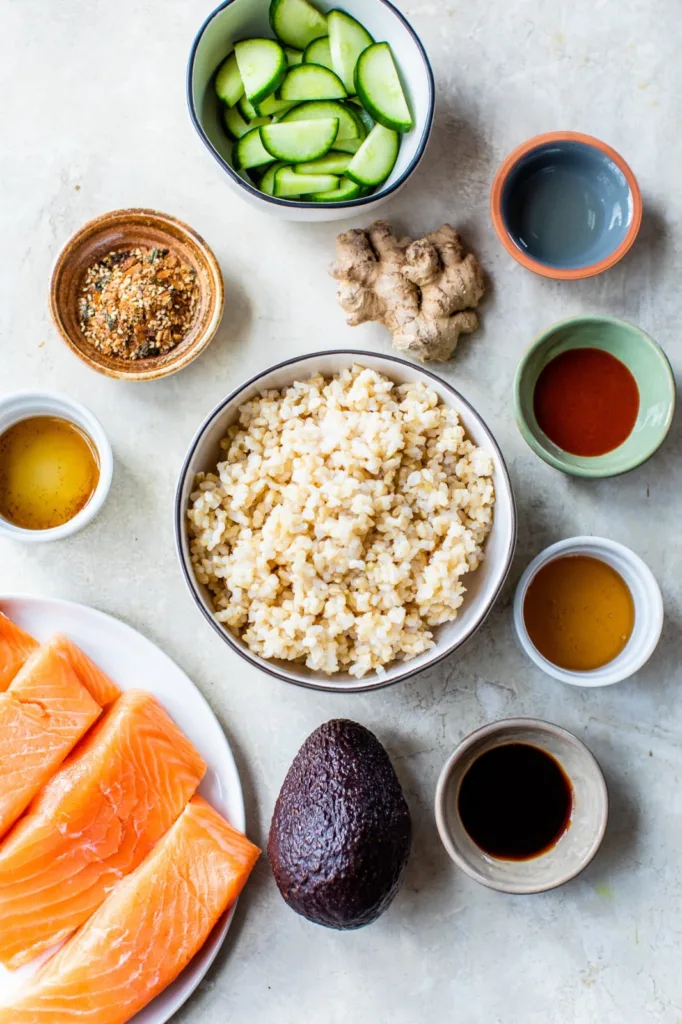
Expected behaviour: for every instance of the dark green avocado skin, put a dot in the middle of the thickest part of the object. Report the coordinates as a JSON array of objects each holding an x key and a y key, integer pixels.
[{"x": 341, "y": 832}]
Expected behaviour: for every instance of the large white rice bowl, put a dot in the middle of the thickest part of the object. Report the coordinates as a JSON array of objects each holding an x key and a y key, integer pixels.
[{"x": 345, "y": 519}]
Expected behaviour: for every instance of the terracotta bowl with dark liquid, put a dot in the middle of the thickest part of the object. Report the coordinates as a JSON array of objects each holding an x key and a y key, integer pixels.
[
  {"x": 124, "y": 229},
  {"x": 515, "y": 864}
]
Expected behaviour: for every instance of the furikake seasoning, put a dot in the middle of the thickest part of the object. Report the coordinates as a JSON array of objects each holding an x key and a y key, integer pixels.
[{"x": 137, "y": 303}]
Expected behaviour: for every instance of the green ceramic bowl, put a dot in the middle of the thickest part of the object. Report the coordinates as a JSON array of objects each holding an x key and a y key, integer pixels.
[{"x": 645, "y": 360}]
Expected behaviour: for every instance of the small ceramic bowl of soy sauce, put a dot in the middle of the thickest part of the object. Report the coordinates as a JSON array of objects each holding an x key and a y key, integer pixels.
[
  {"x": 521, "y": 806},
  {"x": 594, "y": 396},
  {"x": 566, "y": 206}
]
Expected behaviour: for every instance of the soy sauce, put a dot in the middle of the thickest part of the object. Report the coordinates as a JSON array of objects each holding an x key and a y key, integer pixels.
[{"x": 515, "y": 801}]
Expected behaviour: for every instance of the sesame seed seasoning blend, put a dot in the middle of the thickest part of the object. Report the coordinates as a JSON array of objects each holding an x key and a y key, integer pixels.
[{"x": 138, "y": 303}]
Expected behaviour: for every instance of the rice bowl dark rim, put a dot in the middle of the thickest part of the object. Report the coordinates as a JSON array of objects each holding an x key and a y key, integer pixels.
[
  {"x": 288, "y": 203},
  {"x": 376, "y": 681}
]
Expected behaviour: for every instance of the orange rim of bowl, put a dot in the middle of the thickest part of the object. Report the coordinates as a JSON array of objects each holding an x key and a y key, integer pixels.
[
  {"x": 162, "y": 219},
  {"x": 557, "y": 273}
]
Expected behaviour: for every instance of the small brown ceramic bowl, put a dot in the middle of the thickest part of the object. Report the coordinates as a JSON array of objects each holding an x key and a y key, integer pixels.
[{"x": 122, "y": 229}]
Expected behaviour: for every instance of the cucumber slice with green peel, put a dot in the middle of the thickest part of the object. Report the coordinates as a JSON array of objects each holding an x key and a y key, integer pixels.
[
  {"x": 318, "y": 109},
  {"x": 347, "y": 190},
  {"x": 293, "y": 57},
  {"x": 367, "y": 119},
  {"x": 250, "y": 151},
  {"x": 348, "y": 145},
  {"x": 272, "y": 107},
  {"x": 267, "y": 182},
  {"x": 347, "y": 40},
  {"x": 296, "y": 22},
  {"x": 228, "y": 81},
  {"x": 262, "y": 65},
  {"x": 318, "y": 53},
  {"x": 247, "y": 110},
  {"x": 357, "y": 116},
  {"x": 236, "y": 126},
  {"x": 376, "y": 157},
  {"x": 377, "y": 83},
  {"x": 289, "y": 183},
  {"x": 298, "y": 141},
  {"x": 312, "y": 82},
  {"x": 332, "y": 163}
]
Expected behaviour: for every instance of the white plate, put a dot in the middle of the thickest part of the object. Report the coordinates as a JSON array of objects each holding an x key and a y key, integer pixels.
[{"x": 134, "y": 662}]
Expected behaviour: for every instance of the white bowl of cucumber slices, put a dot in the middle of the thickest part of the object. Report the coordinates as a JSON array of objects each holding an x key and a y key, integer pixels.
[{"x": 312, "y": 110}]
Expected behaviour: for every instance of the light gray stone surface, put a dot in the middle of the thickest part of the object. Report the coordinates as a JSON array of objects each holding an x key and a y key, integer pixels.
[{"x": 92, "y": 118}]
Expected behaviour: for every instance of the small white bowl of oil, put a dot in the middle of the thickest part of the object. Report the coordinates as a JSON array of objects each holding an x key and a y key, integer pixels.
[{"x": 56, "y": 466}]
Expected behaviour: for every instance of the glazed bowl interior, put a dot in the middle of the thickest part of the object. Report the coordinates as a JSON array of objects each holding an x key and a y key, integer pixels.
[
  {"x": 239, "y": 19},
  {"x": 646, "y": 361},
  {"x": 576, "y": 847},
  {"x": 126, "y": 229},
  {"x": 483, "y": 586},
  {"x": 584, "y": 170}
]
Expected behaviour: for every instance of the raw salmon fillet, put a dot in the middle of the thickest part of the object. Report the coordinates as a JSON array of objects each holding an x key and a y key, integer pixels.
[
  {"x": 42, "y": 716},
  {"x": 96, "y": 820},
  {"x": 15, "y": 647},
  {"x": 147, "y": 930},
  {"x": 92, "y": 678}
]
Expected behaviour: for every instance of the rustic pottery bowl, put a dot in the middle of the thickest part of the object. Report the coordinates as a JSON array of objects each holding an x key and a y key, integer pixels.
[
  {"x": 25, "y": 404},
  {"x": 646, "y": 361},
  {"x": 574, "y": 850},
  {"x": 484, "y": 586},
  {"x": 594, "y": 224},
  {"x": 646, "y": 595},
  {"x": 239, "y": 19},
  {"x": 122, "y": 229}
]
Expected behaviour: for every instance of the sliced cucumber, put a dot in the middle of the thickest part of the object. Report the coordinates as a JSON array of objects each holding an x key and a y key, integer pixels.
[
  {"x": 293, "y": 57},
  {"x": 289, "y": 183},
  {"x": 376, "y": 157},
  {"x": 367, "y": 119},
  {"x": 317, "y": 109},
  {"x": 262, "y": 65},
  {"x": 236, "y": 126},
  {"x": 267, "y": 182},
  {"x": 356, "y": 114},
  {"x": 228, "y": 81},
  {"x": 297, "y": 141},
  {"x": 378, "y": 85},
  {"x": 332, "y": 163},
  {"x": 248, "y": 111},
  {"x": 312, "y": 82},
  {"x": 348, "y": 145},
  {"x": 318, "y": 53},
  {"x": 272, "y": 107},
  {"x": 347, "y": 190},
  {"x": 250, "y": 152},
  {"x": 296, "y": 22},
  {"x": 347, "y": 39}
]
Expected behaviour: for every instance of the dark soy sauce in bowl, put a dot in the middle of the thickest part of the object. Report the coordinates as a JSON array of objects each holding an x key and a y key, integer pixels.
[{"x": 515, "y": 801}]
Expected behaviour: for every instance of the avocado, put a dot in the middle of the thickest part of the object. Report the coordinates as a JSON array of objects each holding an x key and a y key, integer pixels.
[{"x": 341, "y": 831}]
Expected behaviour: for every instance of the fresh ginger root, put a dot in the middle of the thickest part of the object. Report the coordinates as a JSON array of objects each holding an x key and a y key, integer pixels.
[{"x": 423, "y": 291}]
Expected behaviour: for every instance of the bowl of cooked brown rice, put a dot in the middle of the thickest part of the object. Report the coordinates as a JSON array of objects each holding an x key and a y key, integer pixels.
[{"x": 344, "y": 520}]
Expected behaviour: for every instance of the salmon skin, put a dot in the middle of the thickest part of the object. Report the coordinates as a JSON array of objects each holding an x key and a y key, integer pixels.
[
  {"x": 43, "y": 715},
  {"x": 147, "y": 930},
  {"x": 15, "y": 647},
  {"x": 96, "y": 820}
]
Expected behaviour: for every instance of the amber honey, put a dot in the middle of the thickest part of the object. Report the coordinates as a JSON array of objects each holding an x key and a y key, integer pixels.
[
  {"x": 579, "y": 612},
  {"x": 49, "y": 470}
]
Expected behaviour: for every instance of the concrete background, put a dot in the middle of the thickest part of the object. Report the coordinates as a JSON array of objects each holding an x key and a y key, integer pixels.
[{"x": 92, "y": 118}]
